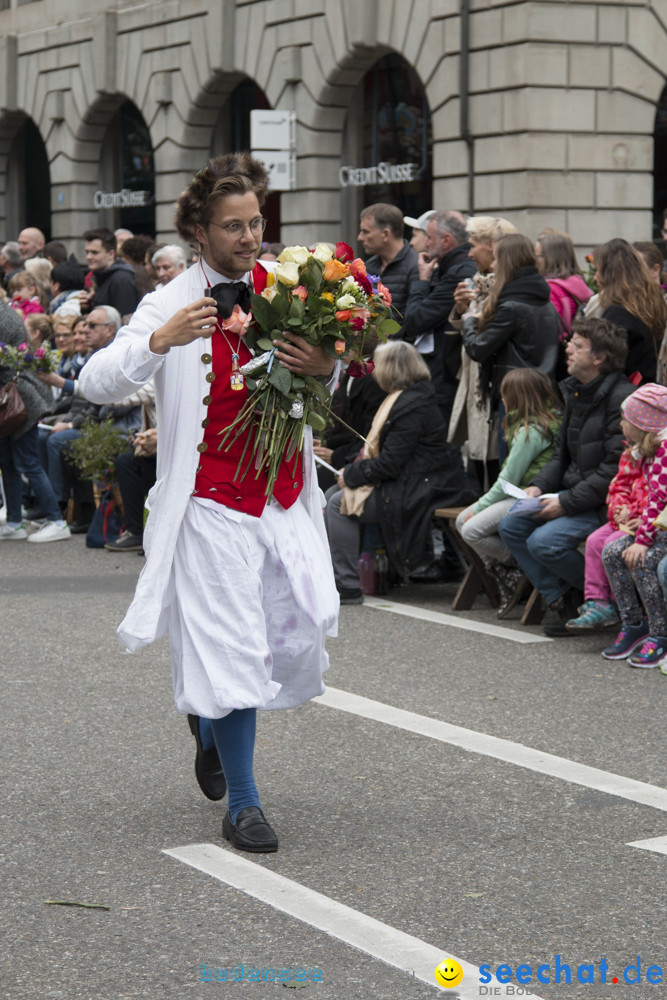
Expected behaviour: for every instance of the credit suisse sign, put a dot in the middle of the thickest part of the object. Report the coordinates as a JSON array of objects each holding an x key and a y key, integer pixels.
[{"x": 381, "y": 173}]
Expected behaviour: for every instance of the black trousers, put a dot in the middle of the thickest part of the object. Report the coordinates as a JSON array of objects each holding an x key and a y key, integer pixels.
[{"x": 135, "y": 477}]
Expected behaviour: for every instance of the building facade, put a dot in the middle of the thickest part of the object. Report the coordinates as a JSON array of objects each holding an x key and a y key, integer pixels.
[{"x": 549, "y": 112}]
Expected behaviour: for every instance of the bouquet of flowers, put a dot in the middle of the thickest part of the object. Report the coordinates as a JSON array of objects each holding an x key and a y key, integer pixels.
[
  {"x": 326, "y": 297},
  {"x": 26, "y": 359}
]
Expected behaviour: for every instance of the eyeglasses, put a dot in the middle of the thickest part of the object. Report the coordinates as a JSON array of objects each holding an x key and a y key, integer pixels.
[
  {"x": 235, "y": 230},
  {"x": 92, "y": 326}
]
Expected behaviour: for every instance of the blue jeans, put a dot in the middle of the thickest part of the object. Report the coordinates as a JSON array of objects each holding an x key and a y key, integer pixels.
[
  {"x": 547, "y": 551},
  {"x": 22, "y": 456},
  {"x": 55, "y": 443}
]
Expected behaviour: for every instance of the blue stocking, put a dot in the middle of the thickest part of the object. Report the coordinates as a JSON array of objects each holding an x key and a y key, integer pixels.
[{"x": 235, "y": 741}]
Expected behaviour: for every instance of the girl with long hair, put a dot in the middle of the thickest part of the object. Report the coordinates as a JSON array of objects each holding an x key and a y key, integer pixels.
[
  {"x": 518, "y": 326},
  {"x": 557, "y": 262},
  {"x": 633, "y": 301},
  {"x": 530, "y": 427}
]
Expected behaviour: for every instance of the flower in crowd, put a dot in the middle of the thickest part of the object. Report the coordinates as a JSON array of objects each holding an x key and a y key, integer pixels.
[
  {"x": 23, "y": 359},
  {"x": 327, "y": 298}
]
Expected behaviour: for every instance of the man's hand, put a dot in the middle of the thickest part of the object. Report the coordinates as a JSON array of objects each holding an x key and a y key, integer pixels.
[
  {"x": 551, "y": 509},
  {"x": 322, "y": 452},
  {"x": 341, "y": 479},
  {"x": 463, "y": 296},
  {"x": 145, "y": 442},
  {"x": 533, "y": 491},
  {"x": 426, "y": 266},
  {"x": 60, "y": 426},
  {"x": 50, "y": 378},
  {"x": 188, "y": 324},
  {"x": 302, "y": 358},
  {"x": 635, "y": 555}
]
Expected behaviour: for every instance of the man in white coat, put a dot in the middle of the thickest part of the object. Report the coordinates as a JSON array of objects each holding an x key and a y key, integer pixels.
[{"x": 244, "y": 586}]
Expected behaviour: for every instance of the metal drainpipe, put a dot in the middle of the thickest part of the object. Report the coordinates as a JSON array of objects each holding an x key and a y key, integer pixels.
[{"x": 464, "y": 92}]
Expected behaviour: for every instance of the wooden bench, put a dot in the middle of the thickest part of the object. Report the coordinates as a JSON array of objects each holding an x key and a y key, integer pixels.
[{"x": 475, "y": 580}]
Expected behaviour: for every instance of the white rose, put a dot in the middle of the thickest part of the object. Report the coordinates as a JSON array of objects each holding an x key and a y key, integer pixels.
[
  {"x": 346, "y": 302},
  {"x": 296, "y": 255},
  {"x": 287, "y": 273},
  {"x": 323, "y": 253},
  {"x": 348, "y": 284},
  {"x": 269, "y": 294}
]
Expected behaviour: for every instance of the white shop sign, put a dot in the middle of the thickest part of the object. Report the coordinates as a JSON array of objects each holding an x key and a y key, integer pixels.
[
  {"x": 121, "y": 199},
  {"x": 272, "y": 130},
  {"x": 281, "y": 166},
  {"x": 382, "y": 173}
]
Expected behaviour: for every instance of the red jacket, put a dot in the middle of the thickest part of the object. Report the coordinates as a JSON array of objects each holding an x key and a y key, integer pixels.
[{"x": 628, "y": 488}]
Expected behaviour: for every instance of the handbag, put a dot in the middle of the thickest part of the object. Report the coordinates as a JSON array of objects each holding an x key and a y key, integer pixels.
[
  {"x": 13, "y": 412},
  {"x": 106, "y": 524}
]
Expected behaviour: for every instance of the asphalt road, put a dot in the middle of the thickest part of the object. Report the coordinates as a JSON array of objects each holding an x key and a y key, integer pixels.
[{"x": 472, "y": 855}]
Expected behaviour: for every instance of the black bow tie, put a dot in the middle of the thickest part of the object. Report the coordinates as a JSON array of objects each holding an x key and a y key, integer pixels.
[{"x": 227, "y": 294}]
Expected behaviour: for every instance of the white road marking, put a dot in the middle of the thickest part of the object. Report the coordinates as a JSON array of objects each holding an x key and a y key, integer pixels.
[
  {"x": 657, "y": 844},
  {"x": 381, "y": 941},
  {"x": 493, "y": 746},
  {"x": 467, "y": 624}
]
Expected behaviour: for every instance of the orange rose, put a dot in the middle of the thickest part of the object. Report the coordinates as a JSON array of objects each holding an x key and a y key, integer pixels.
[
  {"x": 238, "y": 322},
  {"x": 342, "y": 315},
  {"x": 385, "y": 294},
  {"x": 356, "y": 267},
  {"x": 340, "y": 347},
  {"x": 334, "y": 270}
]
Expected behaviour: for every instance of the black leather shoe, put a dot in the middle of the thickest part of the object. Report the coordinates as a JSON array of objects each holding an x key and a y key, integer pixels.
[
  {"x": 209, "y": 774},
  {"x": 251, "y": 833}
]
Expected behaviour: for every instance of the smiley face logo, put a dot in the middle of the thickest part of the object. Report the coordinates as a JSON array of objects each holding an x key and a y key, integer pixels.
[{"x": 449, "y": 973}]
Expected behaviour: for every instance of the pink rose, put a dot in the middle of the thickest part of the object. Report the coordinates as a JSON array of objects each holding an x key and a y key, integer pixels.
[
  {"x": 23, "y": 346},
  {"x": 238, "y": 322},
  {"x": 40, "y": 352},
  {"x": 300, "y": 292}
]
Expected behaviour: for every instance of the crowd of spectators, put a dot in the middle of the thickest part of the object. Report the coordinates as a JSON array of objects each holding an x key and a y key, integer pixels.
[{"x": 510, "y": 366}]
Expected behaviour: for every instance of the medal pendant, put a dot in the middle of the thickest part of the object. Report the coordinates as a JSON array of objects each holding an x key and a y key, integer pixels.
[{"x": 236, "y": 379}]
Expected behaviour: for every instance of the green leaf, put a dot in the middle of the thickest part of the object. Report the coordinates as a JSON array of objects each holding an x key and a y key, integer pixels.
[
  {"x": 280, "y": 378},
  {"x": 265, "y": 344},
  {"x": 297, "y": 310},
  {"x": 473, "y": 895},
  {"x": 298, "y": 382},
  {"x": 280, "y": 305},
  {"x": 388, "y": 326},
  {"x": 263, "y": 314},
  {"x": 316, "y": 421}
]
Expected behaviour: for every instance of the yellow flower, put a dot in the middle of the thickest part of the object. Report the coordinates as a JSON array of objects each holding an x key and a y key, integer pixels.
[{"x": 327, "y": 295}]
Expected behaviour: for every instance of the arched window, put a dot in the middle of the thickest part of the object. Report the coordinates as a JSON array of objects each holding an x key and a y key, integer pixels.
[
  {"x": 232, "y": 133},
  {"x": 28, "y": 196},
  {"x": 126, "y": 195},
  {"x": 660, "y": 165},
  {"x": 387, "y": 150}
]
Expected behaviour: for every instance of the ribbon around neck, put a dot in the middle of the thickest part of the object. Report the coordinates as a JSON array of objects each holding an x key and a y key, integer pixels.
[{"x": 227, "y": 294}]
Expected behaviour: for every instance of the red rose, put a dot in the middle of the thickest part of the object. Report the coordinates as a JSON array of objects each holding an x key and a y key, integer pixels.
[{"x": 344, "y": 252}]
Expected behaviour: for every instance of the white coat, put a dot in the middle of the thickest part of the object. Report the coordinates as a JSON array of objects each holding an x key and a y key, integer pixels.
[{"x": 180, "y": 387}]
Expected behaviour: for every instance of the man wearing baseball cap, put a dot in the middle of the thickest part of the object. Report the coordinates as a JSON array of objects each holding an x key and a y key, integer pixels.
[{"x": 418, "y": 226}]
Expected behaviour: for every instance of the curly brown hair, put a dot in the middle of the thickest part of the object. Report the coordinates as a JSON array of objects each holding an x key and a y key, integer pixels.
[{"x": 232, "y": 173}]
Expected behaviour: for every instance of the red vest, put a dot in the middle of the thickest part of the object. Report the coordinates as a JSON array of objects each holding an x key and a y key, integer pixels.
[{"x": 217, "y": 477}]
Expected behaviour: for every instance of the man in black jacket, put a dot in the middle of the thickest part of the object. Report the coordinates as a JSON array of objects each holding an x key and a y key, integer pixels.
[
  {"x": 576, "y": 479},
  {"x": 115, "y": 283},
  {"x": 391, "y": 256},
  {"x": 445, "y": 263}
]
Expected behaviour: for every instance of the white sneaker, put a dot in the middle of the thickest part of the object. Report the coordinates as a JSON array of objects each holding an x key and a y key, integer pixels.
[
  {"x": 52, "y": 531},
  {"x": 12, "y": 532}
]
